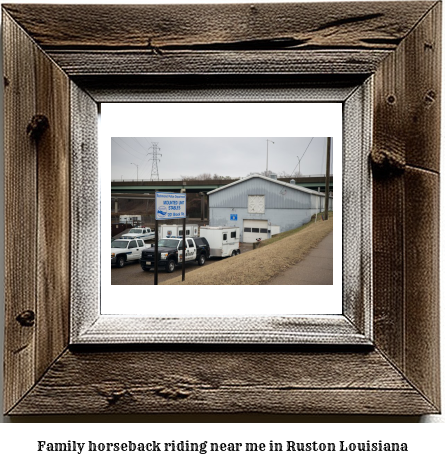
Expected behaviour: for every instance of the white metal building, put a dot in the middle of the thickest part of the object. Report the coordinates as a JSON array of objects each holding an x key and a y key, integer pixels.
[{"x": 261, "y": 206}]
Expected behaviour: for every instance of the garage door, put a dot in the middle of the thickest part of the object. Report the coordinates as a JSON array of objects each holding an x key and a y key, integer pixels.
[{"x": 254, "y": 229}]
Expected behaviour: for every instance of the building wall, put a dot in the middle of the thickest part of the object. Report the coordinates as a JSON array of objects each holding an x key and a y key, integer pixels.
[
  {"x": 278, "y": 196},
  {"x": 285, "y": 206}
]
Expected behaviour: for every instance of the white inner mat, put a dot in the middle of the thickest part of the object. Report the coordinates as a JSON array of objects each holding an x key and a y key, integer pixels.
[{"x": 264, "y": 120}]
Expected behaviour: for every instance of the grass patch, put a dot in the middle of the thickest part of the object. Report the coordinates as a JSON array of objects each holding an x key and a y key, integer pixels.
[
  {"x": 278, "y": 237},
  {"x": 262, "y": 264}
]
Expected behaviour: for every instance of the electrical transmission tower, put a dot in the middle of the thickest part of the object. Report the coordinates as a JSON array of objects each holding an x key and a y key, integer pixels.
[{"x": 155, "y": 158}]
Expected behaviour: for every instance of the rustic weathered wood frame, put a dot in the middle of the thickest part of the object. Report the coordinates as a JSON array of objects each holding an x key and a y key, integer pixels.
[
  {"x": 91, "y": 323},
  {"x": 77, "y": 56}
]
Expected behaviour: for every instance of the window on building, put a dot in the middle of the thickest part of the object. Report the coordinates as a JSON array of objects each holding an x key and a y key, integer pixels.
[
  {"x": 247, "y": 229},
  {"x": 255, "y": 230},
  {"x": 256, "y": 204},
  {"x": 263, "y": 230}
]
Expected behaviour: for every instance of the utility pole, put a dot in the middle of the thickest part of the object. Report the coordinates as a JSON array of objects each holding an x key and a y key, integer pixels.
[
  {"x": 267, "y": 155},
  {"x": 328, "y": 174},
  {"x": 154, "y": 159},
  {"x": 137, "y": 171}
]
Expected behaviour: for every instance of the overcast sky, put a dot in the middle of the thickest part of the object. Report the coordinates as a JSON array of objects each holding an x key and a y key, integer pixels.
[{"x": 224, "y": 156}]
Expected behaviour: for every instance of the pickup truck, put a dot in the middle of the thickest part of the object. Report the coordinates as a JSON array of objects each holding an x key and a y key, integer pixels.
[
  {"x": 139, "y": 233},
  {"x": 126, "y": 250},
  {"x": 170, "y": 253}
]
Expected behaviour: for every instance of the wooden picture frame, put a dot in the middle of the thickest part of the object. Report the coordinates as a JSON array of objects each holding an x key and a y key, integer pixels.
[{"x": 56, "y": 72}]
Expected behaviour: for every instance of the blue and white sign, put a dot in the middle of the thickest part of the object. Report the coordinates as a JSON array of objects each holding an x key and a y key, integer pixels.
[
  {"x": 169, "y": 206},
  {"x": 233, "y": 217}
]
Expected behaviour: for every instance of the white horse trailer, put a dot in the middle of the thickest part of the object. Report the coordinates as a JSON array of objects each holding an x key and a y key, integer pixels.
[
  {"x": 223, "y": 241},
  {"x": 134, "y": 220},
  {"x": 175, "y": 230}
]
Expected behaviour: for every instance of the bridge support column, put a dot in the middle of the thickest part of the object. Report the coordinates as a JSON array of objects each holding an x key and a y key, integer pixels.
[
  {"x": 204, "y": 207},
  {"x": 202, "y": 194},
  {"x": 207, "y": 215}
]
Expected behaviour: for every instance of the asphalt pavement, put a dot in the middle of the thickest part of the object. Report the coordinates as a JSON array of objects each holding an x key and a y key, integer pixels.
[{"x": 315, "y": 268}]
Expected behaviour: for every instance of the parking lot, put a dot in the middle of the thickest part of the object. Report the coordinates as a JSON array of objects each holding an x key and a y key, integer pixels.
[{"x": 132, "y": 273}]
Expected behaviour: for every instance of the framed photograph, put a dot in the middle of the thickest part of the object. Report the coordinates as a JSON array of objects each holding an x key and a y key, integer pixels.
[
  {"x": 375, "y": 351},
  {"x": 287, "y": 206}
]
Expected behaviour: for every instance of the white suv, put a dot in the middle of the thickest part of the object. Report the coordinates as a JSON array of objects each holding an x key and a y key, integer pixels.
[
  {"x": 139, "y": 233},
  {"x": 126, "y": 250}
]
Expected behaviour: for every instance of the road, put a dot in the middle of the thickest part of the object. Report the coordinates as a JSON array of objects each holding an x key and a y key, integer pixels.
[
  {"x": 133, "y": 274},
  {"x": 315, "y": 268}
]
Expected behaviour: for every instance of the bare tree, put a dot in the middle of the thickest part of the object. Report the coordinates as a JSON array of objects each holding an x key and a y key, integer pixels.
[
  {"x": 204, "y": 177},
  {"x": 199, "y": 177},
  {"x": 285, "y": 174}
]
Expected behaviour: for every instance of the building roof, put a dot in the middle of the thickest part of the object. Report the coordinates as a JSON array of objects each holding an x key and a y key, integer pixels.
[{"x": 260, "y": 176}]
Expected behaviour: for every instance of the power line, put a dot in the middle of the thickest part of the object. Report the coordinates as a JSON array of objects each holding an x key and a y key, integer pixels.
[
  {"x": 302, "y": 155},
  {"x": 140, "y": 144},
  {"x": 126, "y": 150},
  {"x": 133, "y": 139}
]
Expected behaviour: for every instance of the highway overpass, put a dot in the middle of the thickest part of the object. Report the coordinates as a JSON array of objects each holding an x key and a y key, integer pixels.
[{"x": 206, "y": 185}]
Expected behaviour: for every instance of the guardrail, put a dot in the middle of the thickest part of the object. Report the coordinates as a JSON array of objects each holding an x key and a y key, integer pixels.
[
  {"x": 173, "y": 180},
  {"x": 213, "y": 179}
]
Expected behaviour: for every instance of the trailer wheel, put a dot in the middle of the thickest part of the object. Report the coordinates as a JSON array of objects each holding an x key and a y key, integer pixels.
[
  {"x": 170, "y": 266},
  {"x": 238, "y": 251},
  {"x": 120, "y": 261},
  {"x": 233, "y": 253},
  {"x": 201, "y": 259}
]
